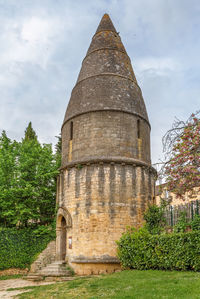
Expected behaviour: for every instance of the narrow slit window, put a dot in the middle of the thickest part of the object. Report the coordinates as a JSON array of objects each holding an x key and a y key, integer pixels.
[
  {"x": 138, "y": 128},
  {"x": 71, "y": 130}
]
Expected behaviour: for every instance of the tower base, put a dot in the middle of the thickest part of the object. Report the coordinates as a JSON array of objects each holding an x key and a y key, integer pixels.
[{"x": 94, "y": 268}]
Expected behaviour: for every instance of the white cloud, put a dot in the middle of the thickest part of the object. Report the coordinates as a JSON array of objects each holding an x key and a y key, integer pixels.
[
  {"x": 42, "y": 44},
  {"x": 156, "y": 66},
  {"x": 36, "y": 30},
  {"x": 30, "y": 40},
  {"x": 157, "y": 63}
]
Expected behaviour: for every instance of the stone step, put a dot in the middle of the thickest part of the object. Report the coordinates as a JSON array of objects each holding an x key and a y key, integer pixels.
[
  {"x": 54, "y": 269},
  {"x": 59, "y": 262},
  {"x": 57, "y": 268},
  {"x": 55, "y": 274},
  {"x": 34, "y": 277},
  {"x": 44, "y": 271},
  {"x": 52, "y": 266}
]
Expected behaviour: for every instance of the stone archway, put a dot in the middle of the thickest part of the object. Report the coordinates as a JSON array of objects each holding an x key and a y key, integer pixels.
[{"x": 64, "y": 221}]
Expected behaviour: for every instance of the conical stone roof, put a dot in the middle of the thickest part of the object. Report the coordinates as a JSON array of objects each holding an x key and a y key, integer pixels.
[{"x": 106, "y": 80}]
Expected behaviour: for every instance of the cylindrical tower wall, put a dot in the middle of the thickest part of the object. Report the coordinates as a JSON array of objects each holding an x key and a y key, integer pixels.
[
  {"x": 103, "y": 199},
  {"x": 106, "y": 134}
]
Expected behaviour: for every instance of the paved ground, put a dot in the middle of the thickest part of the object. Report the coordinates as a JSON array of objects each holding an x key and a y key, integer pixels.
[{"x": 16, "y": 283}]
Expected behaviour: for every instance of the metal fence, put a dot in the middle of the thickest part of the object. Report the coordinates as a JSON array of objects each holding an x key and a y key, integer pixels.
[{"x": 172, "y": 213}]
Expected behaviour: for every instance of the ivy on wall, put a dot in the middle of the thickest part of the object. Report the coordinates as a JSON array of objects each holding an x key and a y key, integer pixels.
[{"x": 20, "y": 247}]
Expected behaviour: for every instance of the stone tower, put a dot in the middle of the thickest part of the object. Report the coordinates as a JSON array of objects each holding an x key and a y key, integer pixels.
[{"x": 106, "y": 179}]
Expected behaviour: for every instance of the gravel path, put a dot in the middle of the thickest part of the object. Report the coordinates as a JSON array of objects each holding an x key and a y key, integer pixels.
[{"x": 17, "y": 283}]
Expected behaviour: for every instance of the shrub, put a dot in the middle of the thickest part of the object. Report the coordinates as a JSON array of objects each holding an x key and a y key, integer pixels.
[
  {"x": 195, "y": 223},
  {"x": 176, "y": 251},
  {"x": 182, "y": 223},
  {"x": 19, "y": 247},
  {"x": 155, "y": 220}
]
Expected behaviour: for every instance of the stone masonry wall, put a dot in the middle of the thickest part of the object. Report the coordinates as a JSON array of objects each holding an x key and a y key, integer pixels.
[
  {"x": 106, "y": 134},
  {"x": 47, "y": 256},
  {"x": 103, "y": 199}
]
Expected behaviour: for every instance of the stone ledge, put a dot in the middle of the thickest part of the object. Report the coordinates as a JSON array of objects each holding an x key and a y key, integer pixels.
[
  {"x": 95, "y": 260},
  {"x": 112, "y": 160}
]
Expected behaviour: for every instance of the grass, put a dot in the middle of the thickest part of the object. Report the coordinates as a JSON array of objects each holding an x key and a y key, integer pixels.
[
  {"x": 127, "y": 284},
  {"x": 5, "y": 277}
]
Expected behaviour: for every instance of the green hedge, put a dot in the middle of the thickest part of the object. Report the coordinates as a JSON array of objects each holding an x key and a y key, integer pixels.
[
  {"x": 175, "y": 251},
  {"x": 19, "y": 247}
]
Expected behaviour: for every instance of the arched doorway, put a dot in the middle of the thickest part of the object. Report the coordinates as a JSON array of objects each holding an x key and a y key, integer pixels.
[
  {"x": 64, "y": 223},
  {"x": 63, "y": 239}
]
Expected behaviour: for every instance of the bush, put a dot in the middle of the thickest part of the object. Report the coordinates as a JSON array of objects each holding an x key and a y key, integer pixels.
[
  {"x": 195, "y": 223},
  {"x": 182, "y": 223},
  {"x": 19, "y": 247},
  {"x": 155, "y": 220},
  {"x": 176, "y": 251}
]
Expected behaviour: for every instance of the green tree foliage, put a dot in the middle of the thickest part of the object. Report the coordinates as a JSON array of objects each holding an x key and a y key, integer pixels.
[
  {"x": 58, "y": 148},
  {"x": 30, "y": 133},
  {"x": 28, "y": 173},
  {"x": 9, "y": 153}
]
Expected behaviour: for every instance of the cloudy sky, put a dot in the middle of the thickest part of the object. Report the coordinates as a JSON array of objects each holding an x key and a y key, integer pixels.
[{"x": 43, "y": 42}]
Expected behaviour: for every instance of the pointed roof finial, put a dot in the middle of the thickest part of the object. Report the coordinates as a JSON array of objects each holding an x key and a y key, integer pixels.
[{"x": 106, "y": 24}]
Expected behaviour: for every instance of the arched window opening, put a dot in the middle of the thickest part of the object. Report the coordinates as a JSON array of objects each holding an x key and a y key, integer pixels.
[
  {"x": 138, "y": 128},
  {"x": 71, "y": 130}
]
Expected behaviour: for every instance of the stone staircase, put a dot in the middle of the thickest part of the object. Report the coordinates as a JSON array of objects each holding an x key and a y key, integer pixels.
[
  {"x": 57, "y": 269},
  {"x": 46, "y": 267},
  {"x": 54, "y": 271},
  {"x": 47, "y": 256}
]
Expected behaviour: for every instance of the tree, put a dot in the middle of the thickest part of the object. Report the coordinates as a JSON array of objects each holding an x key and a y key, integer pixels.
[
  {"x": 9, "y": 153},
  {"x": 28, "y": 173},
  {"x": 58, "y": 148},
  {"x": 182, "y": 147},
  {"x": 30, "y": 133}
]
